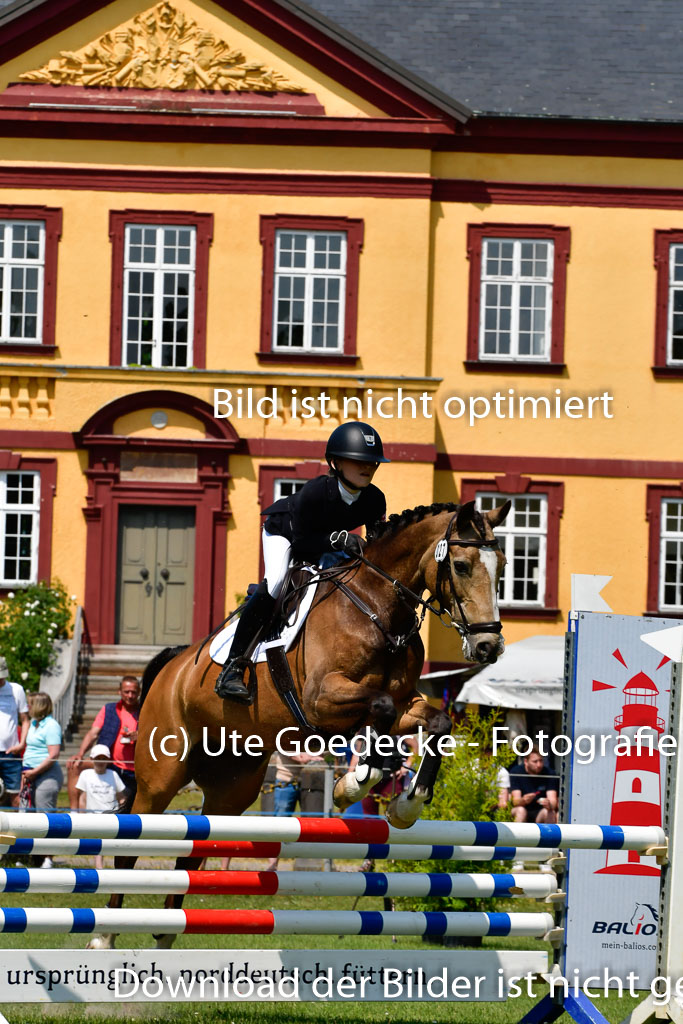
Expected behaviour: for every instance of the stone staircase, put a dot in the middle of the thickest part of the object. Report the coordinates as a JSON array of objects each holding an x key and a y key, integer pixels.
[{"x": 107, "y": 664}]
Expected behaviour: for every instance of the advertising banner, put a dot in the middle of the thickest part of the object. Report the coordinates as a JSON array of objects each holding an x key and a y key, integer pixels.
[
  {"x": 618, "y": 702},
  {"x": 248, "y": 975}
]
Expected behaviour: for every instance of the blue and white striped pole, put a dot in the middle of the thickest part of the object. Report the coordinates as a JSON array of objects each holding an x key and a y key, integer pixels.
[
  {"x": 225, "y": 848},
  {"x": 270, "y": 883},
  {"x": 272, "y": 922},
  {"x": 294, "y": 830}
]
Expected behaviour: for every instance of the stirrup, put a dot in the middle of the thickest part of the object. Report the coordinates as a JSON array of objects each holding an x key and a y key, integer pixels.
[{"x": 230, "y": 684}]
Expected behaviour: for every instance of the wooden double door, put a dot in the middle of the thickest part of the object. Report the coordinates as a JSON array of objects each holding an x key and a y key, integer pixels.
[{"x": 156, "y": 551}]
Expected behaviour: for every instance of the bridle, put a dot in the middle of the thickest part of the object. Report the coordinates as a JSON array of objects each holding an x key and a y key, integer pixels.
[{"x": 444, "y": 574}]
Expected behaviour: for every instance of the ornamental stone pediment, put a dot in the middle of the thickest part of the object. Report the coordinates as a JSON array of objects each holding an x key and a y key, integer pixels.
[{"x": 161, "y": 48}]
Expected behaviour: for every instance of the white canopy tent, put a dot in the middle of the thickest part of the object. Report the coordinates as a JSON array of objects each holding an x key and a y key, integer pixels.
[{"x": 530, "y": 674}]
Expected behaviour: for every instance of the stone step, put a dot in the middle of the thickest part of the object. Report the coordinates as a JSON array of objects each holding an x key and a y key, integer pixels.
[
  {"x": 108, "y": 663},
  {"x": 104, "y": 684},
  {"x": 117, "y": 653}
]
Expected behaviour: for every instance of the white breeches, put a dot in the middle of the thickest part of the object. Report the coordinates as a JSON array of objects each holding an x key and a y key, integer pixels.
[{"x": 276, "y": 553}]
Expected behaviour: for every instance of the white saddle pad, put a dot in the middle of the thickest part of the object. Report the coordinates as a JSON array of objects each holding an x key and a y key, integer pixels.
[{"x": 222, "y": 642}]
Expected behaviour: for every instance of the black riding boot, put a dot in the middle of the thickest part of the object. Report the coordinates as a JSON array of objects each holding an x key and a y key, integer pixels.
[{"x": 257, "y": 613}]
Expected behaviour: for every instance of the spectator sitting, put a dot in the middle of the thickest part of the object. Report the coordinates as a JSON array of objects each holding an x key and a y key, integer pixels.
[
  {"x": 101, "y": 789},
  {"x": 534, "y": 791},
  {"x": 14, "y": 723},
  {"x": 115, "y": 727}
]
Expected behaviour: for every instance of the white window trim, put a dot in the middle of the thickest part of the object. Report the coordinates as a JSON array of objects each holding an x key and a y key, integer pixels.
[
  {"x": 515, "y": 280},
  {"x": 159, "y": 268},
  {"x": 277, "y": 486},
  {"x": 505, "y": 534},
  {"x": 665, "y": 536},
  {"x": 673, "y": 287},
  {"x": 32, "y": 509},
  {"x": 7, "y": 262},
  {"x": 309, "y": 274}
]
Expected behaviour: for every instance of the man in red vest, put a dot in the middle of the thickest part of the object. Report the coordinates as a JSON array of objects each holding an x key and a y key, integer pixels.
[{"x": 116, "y": 726}]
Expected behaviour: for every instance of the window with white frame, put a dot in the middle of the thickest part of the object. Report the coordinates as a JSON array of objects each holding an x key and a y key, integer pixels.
[
  {"x": 674, "y": 346},
  {"x": 310, "y": 285},
  {"x": 22, "y": 271},
  {"x": 671, "y": 556},
  {"x": 516, "y": 298},
  {"x": 158, "y": 295},
  {"x": 282, "y": 488},
  {"x": 19, "y": 525},
  {"x": 523, "y": 540}
]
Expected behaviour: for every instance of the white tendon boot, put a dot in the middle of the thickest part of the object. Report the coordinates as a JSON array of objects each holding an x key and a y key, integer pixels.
[
  {"x": 404, "y": 810},
  {"x": 356, "y": 784},
  {"x": 102, "y": 942}
]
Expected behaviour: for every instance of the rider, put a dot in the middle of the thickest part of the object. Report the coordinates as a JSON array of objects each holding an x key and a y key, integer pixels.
[{"x": 304, "y": 526}]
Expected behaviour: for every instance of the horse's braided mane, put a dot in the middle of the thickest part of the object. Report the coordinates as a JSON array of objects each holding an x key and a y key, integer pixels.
[{"x": 409, "y": 515}]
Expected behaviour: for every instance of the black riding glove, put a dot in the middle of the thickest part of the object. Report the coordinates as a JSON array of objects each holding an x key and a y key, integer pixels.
[{"x": 351, "y": 543}]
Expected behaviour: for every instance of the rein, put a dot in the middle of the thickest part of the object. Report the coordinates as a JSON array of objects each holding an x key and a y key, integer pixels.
[
  {"x": 409, "y": 598},
  {"x": 444, "y": 574}
]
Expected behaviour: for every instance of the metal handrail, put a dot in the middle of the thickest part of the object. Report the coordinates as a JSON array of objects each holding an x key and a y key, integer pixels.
[{"x": 64, "y": 698}]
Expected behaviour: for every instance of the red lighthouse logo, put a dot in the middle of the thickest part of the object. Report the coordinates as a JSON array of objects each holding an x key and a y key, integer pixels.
[{"x": 636, "y": 798}]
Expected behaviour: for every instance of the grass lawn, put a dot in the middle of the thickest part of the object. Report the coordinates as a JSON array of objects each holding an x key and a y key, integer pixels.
[
  {"x": 356, "y": 1010},
  {"x": 614, "y": 1009}
]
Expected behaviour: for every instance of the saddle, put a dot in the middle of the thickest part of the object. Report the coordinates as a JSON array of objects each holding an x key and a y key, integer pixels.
[
  {"x": 292, "y": 595},
  {"x": 297, "y": 587},
  {"x": 288, "y": 616}
]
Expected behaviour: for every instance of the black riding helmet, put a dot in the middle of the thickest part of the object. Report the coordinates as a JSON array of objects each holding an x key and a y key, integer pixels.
[{"x": 357, "y": 441}]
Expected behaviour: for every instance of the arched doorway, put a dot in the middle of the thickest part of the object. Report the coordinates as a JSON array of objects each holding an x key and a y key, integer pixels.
[{"x": 157, "y": 513}]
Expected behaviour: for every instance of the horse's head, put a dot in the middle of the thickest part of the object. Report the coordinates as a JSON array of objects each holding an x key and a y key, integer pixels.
[{"x": 464, "y": 571}]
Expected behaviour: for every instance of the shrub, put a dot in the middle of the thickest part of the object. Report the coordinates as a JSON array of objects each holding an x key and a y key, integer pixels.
[
  {"x": 31, "y": 619},
  {"x": 466, "y": 790}
]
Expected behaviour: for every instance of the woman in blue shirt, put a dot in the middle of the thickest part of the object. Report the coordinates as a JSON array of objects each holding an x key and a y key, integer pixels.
[{"x": 43, "y": 744}]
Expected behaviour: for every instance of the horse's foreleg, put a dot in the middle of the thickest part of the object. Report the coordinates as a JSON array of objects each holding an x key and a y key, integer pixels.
[
  {"x": 405, "y": 809},
  {"x": 357, "y": 782},
  {"x": 229, "y": 787},
  {"x": 174, "y": 901},
  {"x": 345, "y": 700}
]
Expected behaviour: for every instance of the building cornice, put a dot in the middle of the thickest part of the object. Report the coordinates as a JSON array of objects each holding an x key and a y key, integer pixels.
[{"x": 379, "y": 186}]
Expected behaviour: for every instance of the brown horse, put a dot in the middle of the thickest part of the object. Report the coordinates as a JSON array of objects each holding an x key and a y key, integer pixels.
[{"x": 350, "y": 670}]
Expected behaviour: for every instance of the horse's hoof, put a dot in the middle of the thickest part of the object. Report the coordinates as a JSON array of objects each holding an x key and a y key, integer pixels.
[
  {"x": 102, "y": 942},
  {"x": 348, "y": 790},
  {"x": 339, "y": 795},
  {"x": 402, "y": 812},
  {"x": 164, "y": 941}
]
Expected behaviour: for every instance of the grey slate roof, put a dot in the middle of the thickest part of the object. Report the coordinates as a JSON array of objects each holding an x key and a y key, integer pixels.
[
  {"x": 607, "y": 59},
  {"x": 604, "y": 59}
]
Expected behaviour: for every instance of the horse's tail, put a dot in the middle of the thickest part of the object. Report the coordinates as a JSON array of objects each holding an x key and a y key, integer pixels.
[{"x": 155, "y": 666}]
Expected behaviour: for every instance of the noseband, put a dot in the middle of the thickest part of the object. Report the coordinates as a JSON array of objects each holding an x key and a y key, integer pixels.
[{"x": 444, "y": 573}]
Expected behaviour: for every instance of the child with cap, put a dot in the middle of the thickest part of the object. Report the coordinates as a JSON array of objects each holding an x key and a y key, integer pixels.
[{"x": 101, "y": 789}]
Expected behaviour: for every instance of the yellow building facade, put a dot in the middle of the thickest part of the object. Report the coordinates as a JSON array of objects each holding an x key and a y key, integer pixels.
[{"x": 226, "y": 231}]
